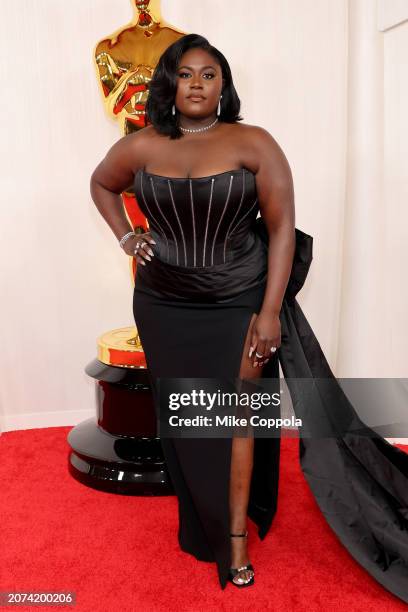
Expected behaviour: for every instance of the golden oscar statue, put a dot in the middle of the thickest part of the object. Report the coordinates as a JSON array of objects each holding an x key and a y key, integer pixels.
[
  {"x": 120, "y": 452},
  {"x": 124, "y": 63}
]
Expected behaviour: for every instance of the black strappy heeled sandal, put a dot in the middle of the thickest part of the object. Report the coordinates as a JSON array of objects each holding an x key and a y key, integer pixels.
[{"x": 234, "y": 571}]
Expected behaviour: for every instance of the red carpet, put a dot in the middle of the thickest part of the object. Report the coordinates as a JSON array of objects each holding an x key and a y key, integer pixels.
[{"x": 120, "y": 553}]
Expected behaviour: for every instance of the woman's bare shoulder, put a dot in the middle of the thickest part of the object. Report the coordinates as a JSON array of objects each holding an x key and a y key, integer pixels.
[
  {"x": 148, "y": 132},
  {"x": 263, "y": 149},
  {"x": 124, "y": 158},
  {"x": 133, "y": 147},
  {"x": 140, "y": 137},
  {"x": 256, "y": 134}
]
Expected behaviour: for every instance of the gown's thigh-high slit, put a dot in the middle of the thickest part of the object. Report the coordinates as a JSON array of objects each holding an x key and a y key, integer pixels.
[{"x": 241, "y": 454}]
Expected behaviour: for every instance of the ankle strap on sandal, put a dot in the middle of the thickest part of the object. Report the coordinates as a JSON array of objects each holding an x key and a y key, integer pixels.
[{"x": 239, "y": 535}]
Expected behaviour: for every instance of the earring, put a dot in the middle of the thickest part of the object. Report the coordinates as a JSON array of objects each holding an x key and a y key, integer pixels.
[
  {"x": 173, "y": 110},
  {"x": 219, "y": 106}
]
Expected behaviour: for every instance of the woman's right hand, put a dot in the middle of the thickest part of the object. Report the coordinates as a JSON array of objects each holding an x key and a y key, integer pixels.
[{"x": 133, "y": 247}]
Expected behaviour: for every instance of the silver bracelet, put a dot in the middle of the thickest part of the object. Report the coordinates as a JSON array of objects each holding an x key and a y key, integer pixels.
[{"x": 126, "y": 237}]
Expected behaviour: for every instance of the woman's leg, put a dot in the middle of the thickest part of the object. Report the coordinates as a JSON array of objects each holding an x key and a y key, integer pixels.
[{"x": 241, "y": 471}]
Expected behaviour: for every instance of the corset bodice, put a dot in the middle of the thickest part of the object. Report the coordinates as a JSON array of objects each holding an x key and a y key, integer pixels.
[{"x": 199, "y": 222}]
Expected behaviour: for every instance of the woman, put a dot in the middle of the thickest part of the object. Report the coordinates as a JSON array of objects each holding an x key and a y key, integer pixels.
[{"x": 212, "y": 291}]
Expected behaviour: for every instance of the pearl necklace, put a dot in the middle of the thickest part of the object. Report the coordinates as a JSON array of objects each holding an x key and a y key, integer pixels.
[{"x": 207, "y": 127}]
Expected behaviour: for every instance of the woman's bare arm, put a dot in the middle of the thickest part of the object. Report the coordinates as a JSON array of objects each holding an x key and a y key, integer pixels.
[
  {"x": 276, "y": 201},
  {"x": 113, "y": 175}
]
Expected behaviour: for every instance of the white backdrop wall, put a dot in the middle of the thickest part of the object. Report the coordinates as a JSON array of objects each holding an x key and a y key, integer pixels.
[{"x": 306, "y": 71}]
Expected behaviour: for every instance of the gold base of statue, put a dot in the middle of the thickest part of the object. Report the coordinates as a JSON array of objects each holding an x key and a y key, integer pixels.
[{"x": 122, "y": 348}]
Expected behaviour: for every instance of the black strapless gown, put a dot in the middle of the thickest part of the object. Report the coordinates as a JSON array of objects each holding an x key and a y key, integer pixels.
[{"x": 192, "y": 306}]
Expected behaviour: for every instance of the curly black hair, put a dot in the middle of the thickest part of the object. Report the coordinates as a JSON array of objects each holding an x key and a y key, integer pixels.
[{"x": 163, "y": 86}]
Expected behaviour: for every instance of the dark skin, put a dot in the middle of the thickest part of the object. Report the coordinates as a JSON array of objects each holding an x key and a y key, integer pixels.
[{"x": 219, "y": 149}]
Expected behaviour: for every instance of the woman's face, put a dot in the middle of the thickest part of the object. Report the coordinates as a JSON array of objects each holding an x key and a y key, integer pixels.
[{"x": 199, "y": 84}]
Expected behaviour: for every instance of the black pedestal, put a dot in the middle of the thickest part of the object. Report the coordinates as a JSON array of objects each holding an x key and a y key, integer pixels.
[{"x": 119, "y": 451}]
